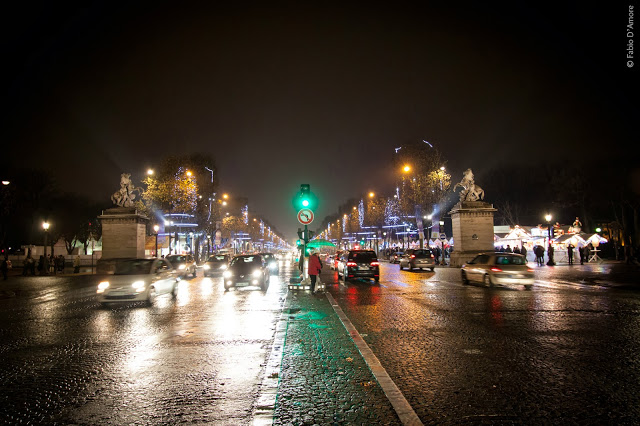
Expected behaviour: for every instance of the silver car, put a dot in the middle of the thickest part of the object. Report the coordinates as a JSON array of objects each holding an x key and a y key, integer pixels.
[
  {"x": 417, "y": 259},
  {"x": 138, "y": 280},
  {"x": 498, "y": 269}
]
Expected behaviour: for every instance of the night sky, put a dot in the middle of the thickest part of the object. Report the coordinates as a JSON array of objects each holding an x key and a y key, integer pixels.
[{"x": 319, "y": 94}]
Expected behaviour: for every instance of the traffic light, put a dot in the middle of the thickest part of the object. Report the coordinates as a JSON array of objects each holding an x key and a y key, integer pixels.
[
  {"x": 311, "y": 234},
  {"x": 305, "y": 199}
]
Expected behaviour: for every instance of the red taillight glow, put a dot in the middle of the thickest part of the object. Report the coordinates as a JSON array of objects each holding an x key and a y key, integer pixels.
[
  {"x": 352, "y": 264},
  {"x": 529, "y": 270},
  {"x": 413, "y": 256},
  {"x": 375, "y": 263},
  {"x": 496, "y": 269}
]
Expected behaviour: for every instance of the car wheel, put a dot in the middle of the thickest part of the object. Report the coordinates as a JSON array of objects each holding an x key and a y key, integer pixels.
[
  {"x": 195, "y": 272},
  {"x": 151, "y": 297},
  {"x": 174, "y": 290},
  {"x": 410, "y": 266},
  {"x": 432, "y": 269},
  {"x": 377, "y": 280},
  {"x": 400, "y": 265},
  {"x": 487, "y": 280},
  {"x": 465, "y": 280},
  {"x": 264, "y": 285},
  {"x": 344, "y": 277},
  {"x": 527, "y": 286}
]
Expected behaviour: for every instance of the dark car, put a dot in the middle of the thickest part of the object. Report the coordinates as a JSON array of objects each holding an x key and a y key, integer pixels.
[
  {"x": 359, "y": 264},
  {"x": 272, "y": 262},
  {"x": 216, "y": 265},
  {"x": 395, "y": 257},
  {"x": 417, "y": 259},
  {"x": 183, "y": 263},
  {"x": 247, "y": 270}
]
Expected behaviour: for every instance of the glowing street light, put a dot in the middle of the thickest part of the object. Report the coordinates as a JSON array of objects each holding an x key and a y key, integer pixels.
[
  {"x": 406, "y": 168},
  {"x": 150, "y": 172},
  {"x": 45, "y": 226},
  {"x": 156, "y": 228},
  {"x": 550, "y": 262},
  {"x": 372, "y": 194}
]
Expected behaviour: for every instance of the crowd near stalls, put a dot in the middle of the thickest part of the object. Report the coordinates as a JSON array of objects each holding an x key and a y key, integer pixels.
[{"x": 563, "y": 239}]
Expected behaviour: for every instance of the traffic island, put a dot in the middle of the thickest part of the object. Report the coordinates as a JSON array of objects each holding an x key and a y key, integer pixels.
[{"x": 323, "y": 377}]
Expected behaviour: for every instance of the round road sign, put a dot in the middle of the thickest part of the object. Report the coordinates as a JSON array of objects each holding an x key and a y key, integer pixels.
[{"x": 305, "y": 216}]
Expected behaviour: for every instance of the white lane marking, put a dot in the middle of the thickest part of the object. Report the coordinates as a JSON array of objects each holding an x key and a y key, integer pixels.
[
  {"x": 398, "y": 401},
  {"x": 266, "y": 403}
]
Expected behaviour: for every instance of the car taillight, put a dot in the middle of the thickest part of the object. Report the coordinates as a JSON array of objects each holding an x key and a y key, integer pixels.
[
  {"x": 432, "y": 255},
  {"x": 529, "y": 270},
  {"x": 413, "y": 256},
  {"x": 352, "y": 264},
  {"x": 375, "y": 263},
  {"x": 496, "y": 269}
]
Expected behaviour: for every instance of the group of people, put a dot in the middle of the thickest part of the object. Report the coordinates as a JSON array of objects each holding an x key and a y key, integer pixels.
[
  {"x": 583, "y": 252},
  {"x": 50, "y": 264}
]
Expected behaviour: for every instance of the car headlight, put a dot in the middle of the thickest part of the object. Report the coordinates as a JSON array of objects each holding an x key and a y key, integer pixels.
[
  {"x": 138, "y": 285},
  {"x": 182, "y": 267},
  {"x": 207, "y": 267},
  {"x": 227, "y": 274},
  {"x": 257, "y": 273},
  {"x": 103, "y": 286},
  {"x": 223, "y": 267}
]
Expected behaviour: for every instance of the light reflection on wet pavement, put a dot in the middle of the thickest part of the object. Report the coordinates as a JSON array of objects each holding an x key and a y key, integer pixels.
[
  {"x": 470, "y": 354},
  {"x": 198, "y": 358}
]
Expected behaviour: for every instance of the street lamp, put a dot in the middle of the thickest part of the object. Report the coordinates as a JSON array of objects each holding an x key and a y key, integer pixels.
[
  {"x": 156, "y": 228},
  {"x": 45, "y": 266},
  {"x": 550, "y": 262}
]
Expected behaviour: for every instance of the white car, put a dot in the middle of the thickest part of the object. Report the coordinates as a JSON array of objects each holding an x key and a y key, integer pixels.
[{"x": 138, "y": 280}]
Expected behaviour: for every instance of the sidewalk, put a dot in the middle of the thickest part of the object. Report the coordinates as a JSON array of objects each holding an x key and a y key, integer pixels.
[{"x": 323, "y": 377}]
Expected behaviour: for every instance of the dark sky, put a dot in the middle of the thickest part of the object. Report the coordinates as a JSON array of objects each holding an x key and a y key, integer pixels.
[{"x": 319, "y": 94}]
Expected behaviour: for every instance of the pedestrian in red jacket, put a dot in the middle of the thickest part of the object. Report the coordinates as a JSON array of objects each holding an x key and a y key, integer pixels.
[{"x": 315, "y": 266}]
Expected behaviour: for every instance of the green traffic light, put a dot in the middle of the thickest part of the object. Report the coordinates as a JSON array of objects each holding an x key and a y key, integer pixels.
[{"x": 305, "y": 203}]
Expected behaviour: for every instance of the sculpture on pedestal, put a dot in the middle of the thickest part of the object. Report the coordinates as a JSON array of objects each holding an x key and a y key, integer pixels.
[
  {"x": 470, "y": 191},
  {"x": 126, "y": 194}
]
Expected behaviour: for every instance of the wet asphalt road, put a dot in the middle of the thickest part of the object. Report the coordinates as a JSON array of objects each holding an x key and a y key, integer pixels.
[
  {"x": 565, "y": 352},
  {"x": 562, "y": 353},
  {"x": 198, "y": 358}
]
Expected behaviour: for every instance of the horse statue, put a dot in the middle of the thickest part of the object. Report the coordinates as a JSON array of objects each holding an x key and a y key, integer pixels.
[
  {"x": 470, "y": 191},
  {"x": 126, "y": 194}
]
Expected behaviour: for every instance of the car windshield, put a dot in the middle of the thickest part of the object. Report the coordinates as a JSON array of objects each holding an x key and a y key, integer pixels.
[
  {"x": 133, "y": 267},
  {"x": 245, "y": 260},
  {"x": 216, "y": 259},
  {"x": 510, "y": 260},
  {"x": 363, "y": 256},
  {"x": 422, "y": 253},
  {"x": 177, "y": 259}
]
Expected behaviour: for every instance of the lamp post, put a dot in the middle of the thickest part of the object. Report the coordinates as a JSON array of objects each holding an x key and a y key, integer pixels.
[
  {"x": 550, "y": 262},
  {"x": 156, "y": 228},
  {"x": 45, "y": 265}
]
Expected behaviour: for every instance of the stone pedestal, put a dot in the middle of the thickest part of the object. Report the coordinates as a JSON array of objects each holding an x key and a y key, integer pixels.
[
  {"x": 472, "y": 223},
  {"x": 123, "y": 236}
]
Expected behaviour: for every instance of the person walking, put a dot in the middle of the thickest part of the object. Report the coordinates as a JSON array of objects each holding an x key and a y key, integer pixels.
[
  {"x": 539, "y": 252},
  {"x": 315, "y": 266},
  {"x": 76, "y": 265},
  {"x": 5, "y": 267},
  {"x": 570, "y": 248},
  {"x": 523, "y": 251}
]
